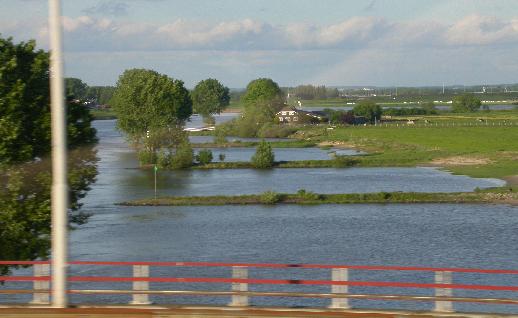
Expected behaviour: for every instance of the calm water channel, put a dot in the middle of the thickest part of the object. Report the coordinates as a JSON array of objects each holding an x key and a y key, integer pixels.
[{"x": 441, "y": 235}]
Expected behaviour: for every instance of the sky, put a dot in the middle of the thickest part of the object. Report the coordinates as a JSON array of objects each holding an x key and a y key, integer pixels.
[{"x": 319, "y": 42}]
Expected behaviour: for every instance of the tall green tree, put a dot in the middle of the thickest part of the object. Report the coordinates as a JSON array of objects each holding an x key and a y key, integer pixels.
[
  {"x": 147, "y": 102},
  {"x": 466, "y": 103},
  {"x": 210, "y": 97},
  {"x": 261, "y": 90},
  {"x": 264, "y": 156},
  {"x": 25, "y": 169},
  {"x": 24, "y": 102},
  {"x": 76, "y": 88},
  {"x": 263, "y": 99},
  {"x": 368, "y": 109}
]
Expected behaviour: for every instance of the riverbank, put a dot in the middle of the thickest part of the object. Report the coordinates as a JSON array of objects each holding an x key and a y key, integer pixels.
[{"x": 504, "y": 195}]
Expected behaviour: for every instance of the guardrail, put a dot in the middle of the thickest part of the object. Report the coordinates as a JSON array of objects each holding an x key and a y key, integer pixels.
[{"x": 239, "y": 283}]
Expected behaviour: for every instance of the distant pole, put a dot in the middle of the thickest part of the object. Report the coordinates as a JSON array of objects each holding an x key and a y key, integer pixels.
[
  {"x": 59, "y": 199},
  {"x": 155, "y": 170}
]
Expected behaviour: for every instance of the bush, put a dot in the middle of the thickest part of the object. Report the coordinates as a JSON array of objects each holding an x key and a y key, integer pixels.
[
  {"x": 222, "y": 157},
  {"x": 147, "y": 157},
  {"x": 164, "y": 159},
  {"x": 264, "y": 156},
  {"x": 204, "y": 156},
  {"x": 183, "y": 157},
  {"x": 271, "y": 197}
]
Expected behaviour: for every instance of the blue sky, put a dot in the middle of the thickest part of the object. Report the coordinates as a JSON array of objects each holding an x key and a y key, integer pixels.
[{"x": 330, "y": 42}]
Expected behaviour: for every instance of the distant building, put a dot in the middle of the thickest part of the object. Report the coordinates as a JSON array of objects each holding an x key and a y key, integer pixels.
[{"x": 291, "y": 115}]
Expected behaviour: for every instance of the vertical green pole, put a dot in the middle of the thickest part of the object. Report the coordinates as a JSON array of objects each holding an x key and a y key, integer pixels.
[{"x": 155, "y": 170}]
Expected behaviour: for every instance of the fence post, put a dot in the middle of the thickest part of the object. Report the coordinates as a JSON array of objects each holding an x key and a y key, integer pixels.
[
  {"x": 241, "y": 273},
  {"x": 340, "y": 275},
  {"x": 443, "y": 277},
  {"x": 140, "y": 299},
  {"x": 43, "y": 298}
]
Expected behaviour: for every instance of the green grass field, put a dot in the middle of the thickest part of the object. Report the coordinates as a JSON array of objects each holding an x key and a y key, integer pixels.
[{"x": 495, "y": 148}]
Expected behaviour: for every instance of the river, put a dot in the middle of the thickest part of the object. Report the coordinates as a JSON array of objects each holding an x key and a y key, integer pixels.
[{"x": 441, "y": 235}]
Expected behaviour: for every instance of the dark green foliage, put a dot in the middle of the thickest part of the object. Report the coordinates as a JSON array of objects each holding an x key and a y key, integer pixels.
[
  {"x": 368, "y": 109},
  {"x": 264, "y": 156},
  {"x": 338, "y": 117},
  {"x": 75, "y": 88},
  {"x": 100, "y": 94},
  {"x": 204, "y": 156},
  {"x": 24, "y": 102},
  {"x": 145, "y": 157},
  {"x": 466, "y": 103},
  {"x": 24, "y": 149},
  {"x": 148, "y": 101},
  {"x": 79, "y": 119},
  {"x": 222, "y": 157},
  {"x": 260, "y": 90},
  {"x": 262, "y": 100},
  {"x": 183, "y": 157},
  {"x": 210, "y": 97}
]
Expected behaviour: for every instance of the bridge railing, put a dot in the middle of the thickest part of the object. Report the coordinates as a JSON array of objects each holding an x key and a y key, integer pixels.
[{"x": 339, "y": 283}]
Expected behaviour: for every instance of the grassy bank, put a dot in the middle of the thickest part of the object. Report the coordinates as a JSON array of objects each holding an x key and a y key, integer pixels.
[
  {"x": 487, "y": 151},
  {"x": 103, "y": 114},
  {"x": 500, "y": 195},
  {"x": 339, "y": 162},
  {"x": 275, "y": 144}
]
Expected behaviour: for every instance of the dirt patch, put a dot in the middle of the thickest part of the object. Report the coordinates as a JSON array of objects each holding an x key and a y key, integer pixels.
[
  {"x": 336, "y": 144},
  {"x": 507, "y": 198},
  {"x": 511, "y": 180},
  {"x": 460, "y": 161}
]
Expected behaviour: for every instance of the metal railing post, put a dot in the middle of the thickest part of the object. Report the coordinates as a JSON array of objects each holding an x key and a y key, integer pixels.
[
  {"x": 242, "y": 273},
  {"x": 140, "y": 299},
  {"x": 443, "y": 277},
  {"x": 43, "y": 298},
  {"x": 341, "y": 275}
]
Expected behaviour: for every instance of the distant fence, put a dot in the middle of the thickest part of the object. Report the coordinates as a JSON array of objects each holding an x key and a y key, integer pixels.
[
  {"x": 339, "y": 293},
  {"x": 419, "y": 124}
]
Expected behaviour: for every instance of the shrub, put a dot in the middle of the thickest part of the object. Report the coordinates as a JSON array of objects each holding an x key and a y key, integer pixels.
[
  {"x": 264, "y": 156},
  {"x": 164, "y": 159},
  {"x": 204, "y": 156},
  {"x": 270, "y": 197},
  {"x": 147, "y": 157},
  {"x": 183, "y": 157},
  {"x": 222, "y": 157}
]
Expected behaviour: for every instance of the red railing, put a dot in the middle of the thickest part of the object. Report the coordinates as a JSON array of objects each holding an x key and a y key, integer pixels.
[{"x": 340, "y": 283}]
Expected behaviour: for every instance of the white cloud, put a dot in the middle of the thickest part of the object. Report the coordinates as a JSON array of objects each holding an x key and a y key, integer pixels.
[
  {"x": 481, "y": 30},
  {"x": 97, "y": 33}
]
